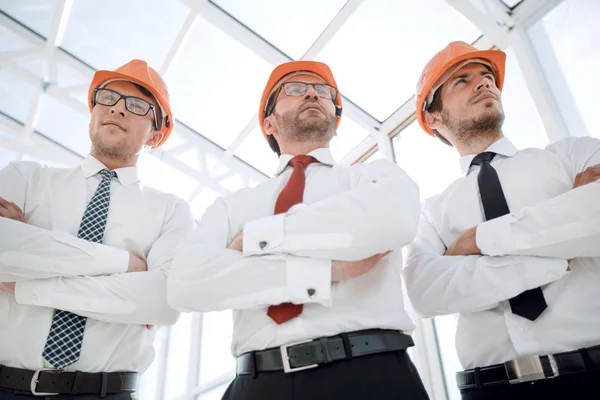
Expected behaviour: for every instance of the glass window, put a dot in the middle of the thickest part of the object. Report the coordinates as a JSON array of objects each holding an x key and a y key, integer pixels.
[
  {"x": 255, "y": 151},
  {"x": 522, "y": 125},
  {"x": 7, "y": 155},
  {"x": 10, "y": 41},
  {"x": 429, "y": 162},
  {"x": 375, "y": 156},
  {"x": 349, "y": 135},
  {"x": 16, "y": 96},
  {"x": 392, "y": 40},
  {"x": 35, "y": 14},
  {"x": 215, "y": 354},
  {"x": 202, "y": 201},
  {"x": 291, "y": 27},
  {"x": 566, "y": 41},
  {"x": 151, "y": 381},
  {"x": 162, "y": 176},
  {"x": 178, "y": 359},
  {"x": 216, "y": 83},
  {"x": 116, "y": 32},
  {"x": 445, "y": 328},
  {"x": 65, "y": 75},
  {"x": 64, "y": 125}
]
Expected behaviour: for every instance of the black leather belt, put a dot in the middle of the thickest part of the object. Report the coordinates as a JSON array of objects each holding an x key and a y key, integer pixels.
[
  {"x": 310, "y": 354},
  {"x": 47, "y": 382},
  {"x": 530, "y": 368}
]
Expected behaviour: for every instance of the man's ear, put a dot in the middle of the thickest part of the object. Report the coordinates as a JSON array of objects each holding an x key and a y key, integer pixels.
[
  {"x": 433, "y": 119},
  {"x": 270, "y": 126},
  {"x": 155, "y": 138}
]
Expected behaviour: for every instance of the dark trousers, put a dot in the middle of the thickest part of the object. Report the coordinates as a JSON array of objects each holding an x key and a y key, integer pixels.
[
  {"x": 7, "y": 394},
  {"x": 380, "y": 376},
  {"x": 579, "y": 386}
]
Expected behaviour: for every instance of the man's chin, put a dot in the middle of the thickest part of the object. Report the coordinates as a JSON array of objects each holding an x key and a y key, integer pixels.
[
  {"x": 111, "y": 148},
  {"x": 311, "y": 117}
]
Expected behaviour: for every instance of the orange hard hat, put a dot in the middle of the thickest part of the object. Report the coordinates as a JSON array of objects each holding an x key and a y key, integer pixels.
[
  {"x": 139, "y": 72},
  {"x": 449, "y": 59},
  {"x": 282, "y": 70}
]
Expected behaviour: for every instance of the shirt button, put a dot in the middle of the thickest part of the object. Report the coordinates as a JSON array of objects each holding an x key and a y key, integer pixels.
[
  {"x": 34, "y": 299},
  {"x": 311, "y": 292},
  {"x": 262, "y": 244},
  {"x": 519, "y": 330},
  {"x": 549, "y": 275}
]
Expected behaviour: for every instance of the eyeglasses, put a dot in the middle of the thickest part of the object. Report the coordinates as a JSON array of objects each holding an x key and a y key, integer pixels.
[
  {"x": 134, "y": 105},
  {"x": 296, "y": 89}
]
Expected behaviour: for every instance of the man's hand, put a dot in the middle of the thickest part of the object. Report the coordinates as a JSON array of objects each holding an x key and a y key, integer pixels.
[
  {"x": 10, "y": 210},
  {"x": 590, "y": 174},
  {"x": 344, "y": 270},
  {"x": 7, "y": 286},
  {"x": 465, "y": 244},
  {"x": 136, "y": 263},
  {"x": 237, "y": 243}
]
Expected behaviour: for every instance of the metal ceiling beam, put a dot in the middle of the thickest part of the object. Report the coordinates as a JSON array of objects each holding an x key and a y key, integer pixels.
[
  {"x": 334, "y": 26},
  {"x": 531, "y": 11},
  {"x": 179, "y": 41}
]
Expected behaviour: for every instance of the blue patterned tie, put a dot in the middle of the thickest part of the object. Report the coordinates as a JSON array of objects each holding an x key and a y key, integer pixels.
[{"x": 63, "y": 345}]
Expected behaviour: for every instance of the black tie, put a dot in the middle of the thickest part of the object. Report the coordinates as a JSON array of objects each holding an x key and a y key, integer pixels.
[{"x": 531, "y": 303}]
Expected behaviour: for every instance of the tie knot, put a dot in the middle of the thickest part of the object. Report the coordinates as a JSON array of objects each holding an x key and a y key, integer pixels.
[
  {"x": 302, "y": 160},
  {"x": 485, "y": 157},
  {"x": 107, "y": 175}
]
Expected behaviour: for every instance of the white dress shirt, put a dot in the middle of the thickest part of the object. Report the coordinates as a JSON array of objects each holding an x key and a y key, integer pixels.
[
  {"x": 549, "y": 224},
  {"x": 56, "y": 270},
  {"x": 349, "y": 213}
]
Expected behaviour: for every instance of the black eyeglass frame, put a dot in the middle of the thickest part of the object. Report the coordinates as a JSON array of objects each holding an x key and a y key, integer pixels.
[
  {"x": 272, "y": 101},
  {"x": 124, "y": 97}
]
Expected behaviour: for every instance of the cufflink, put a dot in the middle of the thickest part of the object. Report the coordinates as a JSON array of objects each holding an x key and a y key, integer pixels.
[
  {"x": 262, "y": 244},
  {"x": 311, "y": 292}
]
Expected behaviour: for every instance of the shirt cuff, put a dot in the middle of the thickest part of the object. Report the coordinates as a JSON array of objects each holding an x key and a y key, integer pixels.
[
  {"x": 494, "y": 237},
  {"x": 309, "y": 280},
  {"x": 27, "y": 292},
  {"x": 264, "y": 235},
  {"x": 111, "y": 260}
]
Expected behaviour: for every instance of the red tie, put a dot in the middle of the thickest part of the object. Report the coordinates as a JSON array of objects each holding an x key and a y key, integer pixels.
[{"x": 290, "y": 195}]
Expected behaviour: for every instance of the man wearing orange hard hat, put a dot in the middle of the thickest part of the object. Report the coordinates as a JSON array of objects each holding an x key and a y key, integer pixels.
[
  {"x": 304, "y": 259},
  {"x": 85, "y": 251},
  {"x": 512, "y": 247}
]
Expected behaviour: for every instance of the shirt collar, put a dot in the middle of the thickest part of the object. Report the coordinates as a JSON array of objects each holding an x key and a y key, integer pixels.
[
  {"x": 501, "y": 146},
  {"x": 91, "y": 166},
  {"x": 323, "y": 156}
]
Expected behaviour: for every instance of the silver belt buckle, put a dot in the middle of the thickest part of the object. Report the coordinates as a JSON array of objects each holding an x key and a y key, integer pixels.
[
  {"x": 35, "y": 380},
  {"x": 285, "y": 358},
  {"x": 528, "y": 368}
]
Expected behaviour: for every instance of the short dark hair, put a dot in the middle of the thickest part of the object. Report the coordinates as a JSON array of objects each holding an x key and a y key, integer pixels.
[
  {"x": 437, "y": 106},
  {"x": 269, "y": 110},
  {"x": 157, "y": 109},
  {"x": 273, "y": 144}
]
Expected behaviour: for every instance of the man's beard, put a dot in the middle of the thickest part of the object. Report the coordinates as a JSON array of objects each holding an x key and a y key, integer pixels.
[
  {"x": 466, "y": 130},
  {"x": 113, "y": 150},
  {"x": 309, "y": 129}
]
